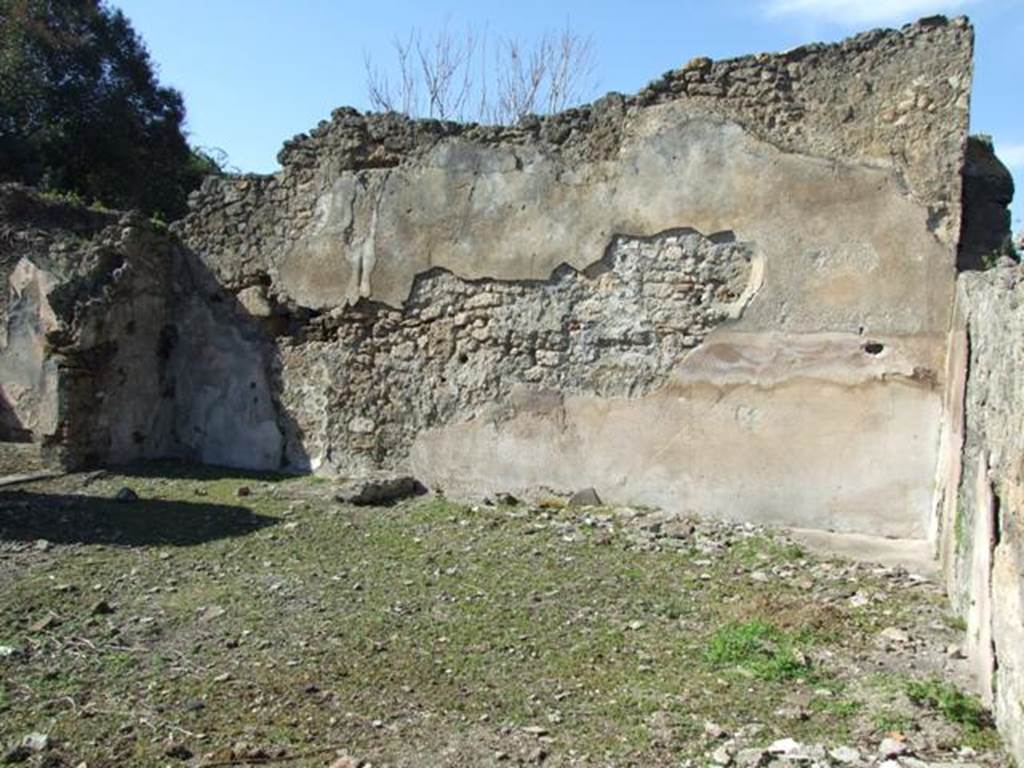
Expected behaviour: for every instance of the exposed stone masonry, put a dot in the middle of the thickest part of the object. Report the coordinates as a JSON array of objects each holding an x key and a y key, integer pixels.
[
  {"x": 379, "y": 376},
  {"x": 804, "y": 100}
]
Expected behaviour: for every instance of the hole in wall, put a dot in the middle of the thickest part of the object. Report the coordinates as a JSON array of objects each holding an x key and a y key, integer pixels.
[
  {"x": 997, "y": 509},
  {"x": 873, "y": 347}
]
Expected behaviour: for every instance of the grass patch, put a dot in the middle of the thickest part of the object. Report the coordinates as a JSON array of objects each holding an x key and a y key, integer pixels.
[
  {"x": 298, "y": 622},
  {"x": 837, "y": 707},
  {"x": 889, "y": 721},
  {"x": 959, "y": 623},
  {"x": 952, "y": 703},
  {"x": 759, "y": 648},
  {"x": 763, "y": 550}
]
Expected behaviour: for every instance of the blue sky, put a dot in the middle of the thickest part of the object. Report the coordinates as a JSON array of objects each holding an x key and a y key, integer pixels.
[{"x": 256, "y": 72}]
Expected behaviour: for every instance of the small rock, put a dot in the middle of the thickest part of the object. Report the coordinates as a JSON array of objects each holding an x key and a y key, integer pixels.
[
  {"x": 793, "y": 713},
  {"x": 361, "y": 425},
  {"x": 125, "y": 495},
  {"x": 243, "y": 491},
  {"x": 212, "y": 612},
  {"x": 784, "y": 746},
  {"x": 36, "y": 742},
  {"x": 750, "y": 758},
  {"x": 587, "y": 497},
  {"x": 379, "y": 491},
  {"x": 508, "y": 500},
  {"x": 47, "y": 622},
  {"x": 7, "y": 651},
  {"x": 42, "y": 545},
  {"x": 345, "y": 761},
  {"x": 895, "y": 635},
  {"x": 845, "y": 755},
  {"x": 678, "y": 529},
  {"x": 722, "y": 756},
  {"x": 859, "y": 600},
  {"x": 101, "y": 608},
  {"x": 535, "y": 730},
  {"x": 891, "y": 747},
  {"x": 714, "y": 730}
]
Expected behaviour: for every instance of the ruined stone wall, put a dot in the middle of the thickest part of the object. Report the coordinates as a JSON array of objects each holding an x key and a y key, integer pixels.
[
  {"x": 116, "y": 345},
  {"x": 31, "y": 227},
  {"x": 649, "y": 294},
  {"x": 83, "y": 354},
  {"x": 982, "y": 534}
]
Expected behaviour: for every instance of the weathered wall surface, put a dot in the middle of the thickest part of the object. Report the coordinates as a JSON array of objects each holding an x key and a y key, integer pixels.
[
  {"x": 28, "y": 385},
  {"x": 648, "y": 294},
  {"x": 982, "y": 534},
  {"x": 86, "y": 301},
  {"x": 116, "y": 345}
]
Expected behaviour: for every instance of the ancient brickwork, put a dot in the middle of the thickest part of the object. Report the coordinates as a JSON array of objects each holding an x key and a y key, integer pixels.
[{"x": 616, "y": 329}]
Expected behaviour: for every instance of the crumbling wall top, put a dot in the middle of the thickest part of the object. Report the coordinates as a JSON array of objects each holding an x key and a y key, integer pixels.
[{"x": 891, "y": 96}]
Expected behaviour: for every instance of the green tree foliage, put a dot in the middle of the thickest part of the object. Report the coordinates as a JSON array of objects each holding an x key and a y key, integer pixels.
[{"x": 81, "y": 109}]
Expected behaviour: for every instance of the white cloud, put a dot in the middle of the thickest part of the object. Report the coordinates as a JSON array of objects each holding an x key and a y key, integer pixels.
[
  {"x": 862, "y": 11},
  {"x": 1012, "y": 155}
]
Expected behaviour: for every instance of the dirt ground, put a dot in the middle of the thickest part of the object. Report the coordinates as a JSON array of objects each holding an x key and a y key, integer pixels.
[{"x": 226, "y": 619}]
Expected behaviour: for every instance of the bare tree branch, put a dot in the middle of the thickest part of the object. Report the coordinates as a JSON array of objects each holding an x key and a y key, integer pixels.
[{"x": 451, "y": 76}]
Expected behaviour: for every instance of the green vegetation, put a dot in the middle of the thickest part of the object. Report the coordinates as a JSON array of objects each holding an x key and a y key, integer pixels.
[
  {"x": 891, "y": 721},
  {"x": 955, "y": 705},
  {"x": 752, "y": 551},
  {"x": 82, "y": 113},
  {"x": 759, "y": 648}
]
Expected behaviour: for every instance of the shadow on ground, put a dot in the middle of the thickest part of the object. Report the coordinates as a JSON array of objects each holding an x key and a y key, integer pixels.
[
  {"x": 177, "y": 469},
  {"x": 73, "y": 519}
]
